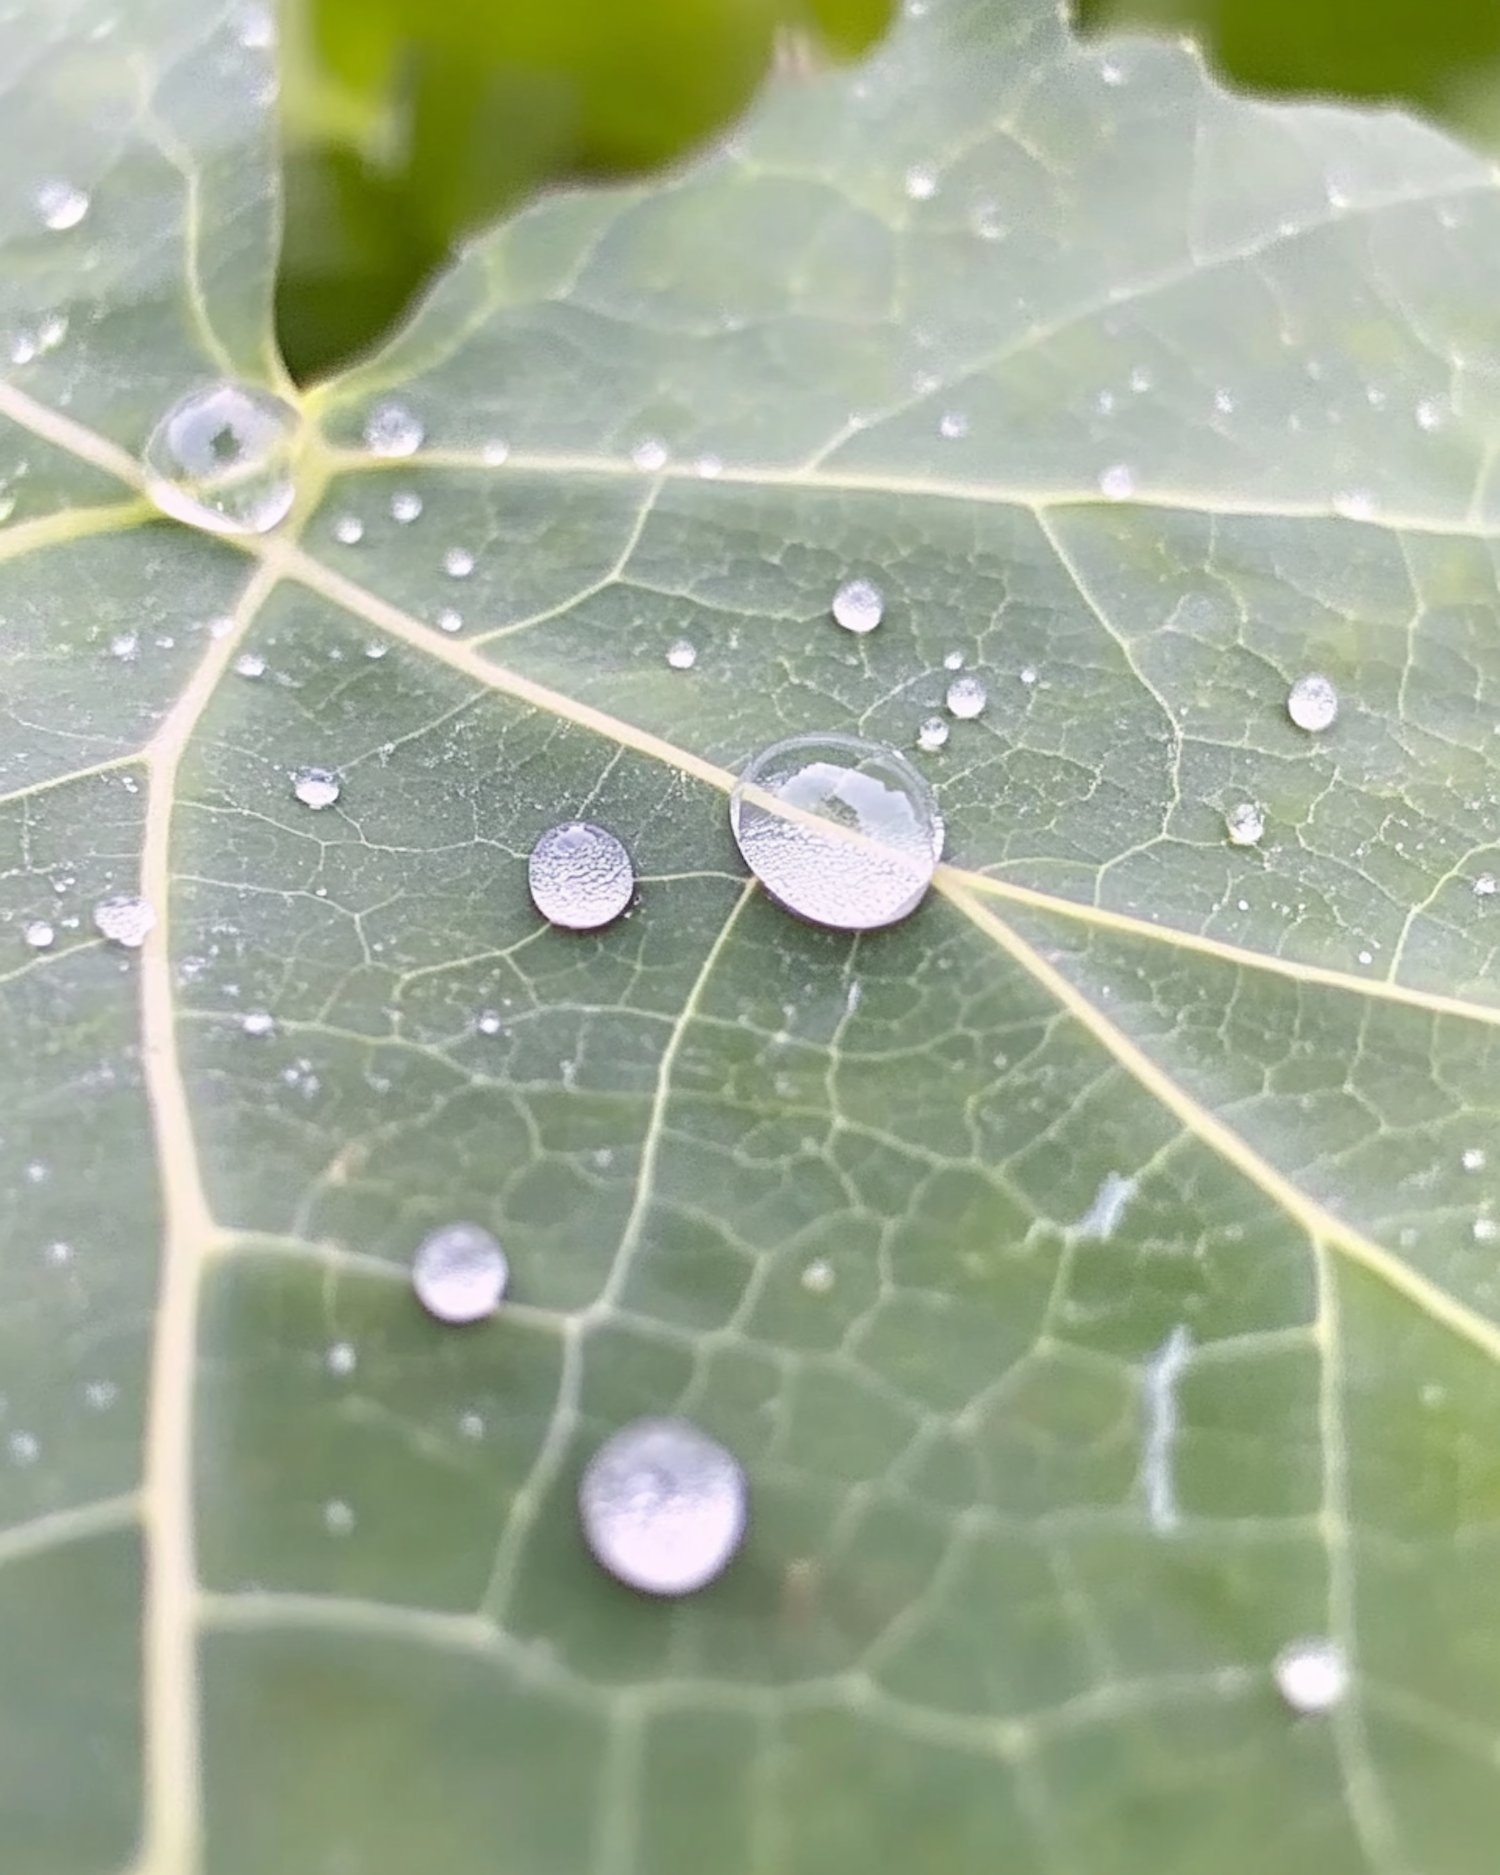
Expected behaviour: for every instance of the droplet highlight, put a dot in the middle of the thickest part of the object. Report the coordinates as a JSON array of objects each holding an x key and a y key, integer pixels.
[
  {"x": 391, "y": 430},
  {"x": 580, "y": 875},
  {"x": 842, "y": 832},
  {"x": 858, "y": 605},
  {"x": 125, "y": 920},
  {"x": 1312, "y": 1674},
  {"x": 316, "y": 787},
  {"x": 932, "y": 735},
  {"x": 663, "y": 1506},
  {"x": 60, "y": 205},
  {"x": 221, "y": 459},
  {"x": 1312, "y": 703},
  {"x": 459, "y": 1273}
]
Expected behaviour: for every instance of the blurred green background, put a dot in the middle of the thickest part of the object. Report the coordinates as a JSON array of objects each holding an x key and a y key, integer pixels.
[{"x": 409, "y": 124}]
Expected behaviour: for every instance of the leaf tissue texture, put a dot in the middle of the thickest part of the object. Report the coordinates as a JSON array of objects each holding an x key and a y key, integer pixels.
[{"x": 1095, "y": 1274}]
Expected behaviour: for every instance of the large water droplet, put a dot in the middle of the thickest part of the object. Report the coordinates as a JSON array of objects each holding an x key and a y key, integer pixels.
[
  {"x": 459, "y": 1273},
  {"x": 840, "y": 831},
  {"x": 580, "y": 876},
  {"x": 858, "y": 605},
  {"x": 124, "y": 920},
  {"x": 61, "y": 205},
  {"x": 1244, "y": 823},
  {"x": 392, "y": 430},
  {"x": 663, "y": 1506},
  {"x": 316, "y": 787},
  {"x": 966, "y": 697},
  {"x": 222, "y": 458},
  {"x": 1312, "y": 1675},
  {"x": 1312, "y": 703}
]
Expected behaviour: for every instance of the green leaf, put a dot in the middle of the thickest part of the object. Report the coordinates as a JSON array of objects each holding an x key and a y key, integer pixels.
[{"x": 1095, "y": 1274}]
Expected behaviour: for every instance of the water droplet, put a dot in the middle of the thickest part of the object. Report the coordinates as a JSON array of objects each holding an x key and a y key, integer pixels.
[
  {"x": 392, "y": 430},
  {"x": 1432, "y": 413},
  {"x": 1244, "y": 823},
  {"x": 342, "y": 1359},
  {"x": 494, "y": 452},
  {"x": 817, "y": 1278},
  {"x": 921, "y": 183},
  {"x": 489, "y": 1022},
  {"x": 1112, "y": 71},
  {"x": 1486, "y": 885},
  {"x": 256, "y": 28},
  {"x": 1473, "y": 1159},
  {"x": 986, "y": 221},
  {"x": 471, "y": 1425},
  {"x": 258, "y": 1022},
  {"x": 249, "y": 664},
  {"x": 221, "y": 459},
  {"x": 858, "y": 605},
  {"x": 1485, "y": 1230},
  {"x": 316, "y": 787},
  {"x": 663, "y": 1506},
  {"x": 458, "y": 563},
  {"x": 348, "y": 530},
  {"x": 125, "y": 646},
  {"x": 23, "y": 1448},
  {"x": 1028, "y": 675},
  {"x": 1224, "y": 402},
  {"x": 450, "y": 621},
  {"x": 580, "y": 875},
  {"x": 338, "y": 1518},
  {"x": 124, "y": 920},
  {"x": 1312, "y": 1675},
  {"x": 1355, "y": 504},
  {"x": 60, "y": 205},
  {"x": 1117, "y": 482},
  {"x": 932, "y": 735},
  {"x": 839, "y": 831},
  {"x": 709, "y": 467},
  {"x": 100, "y": 1395},
  {"x": 459, "y": 1273},
  {"x": 966, "y": 697},
  {"x": 953, "y": 661},
  {"x": 1312, "y": 703},
  {"x": 952, "y": 425},
  {"x": 406, "y": 505},
  {"x": 39, "y": 934},
  {"x": 682, "y": 655},
  {"x": 650, "y": 454}
]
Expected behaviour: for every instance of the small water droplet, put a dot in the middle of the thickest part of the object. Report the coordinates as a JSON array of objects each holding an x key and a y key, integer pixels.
[
  {"x": 1312, "y": 1675},
  {"x": 1224, "y": 402},
  {"x": 966, "y": 697},
  {"x": 663, "y": 1506},
  {"x": 952, "y": 425},
  {"x": 60, "y": 205},
  {"x": 125, "y": 646},
  {"x": 494, "y": 452},
  {"x": 986, "y": 221},
  {"x": 258, "y": 1022},
  {"x": 709, "y": 467},
  {"x": 459, "y": 1273},
  {"x": 921, "y": 182},
  {"x": 682, "y": 655},
  {"x": 39, "y": 934},
  {"x": 932, "y": 735},
  {"x": 450, "y": 621},
  {"x": 817, "y": 1278},
  {"x": 392, "y": 430},
  {"x": 406, "y": 505},
  {"x": 1312, "y": 703},
  {"x": 1355, "y": 504},
  {"x": 221, "y": 459},
  {"x": 250, "y": 664},
  {"x": 338, "y": 1517},
  {"x": 858, "y": 605},
  {"x": 1432, "y": 413},
  {"x": 471, "y": 1425},
  {"x": 581, "y": 877},
  {"x": 1486, "y": 885},
  {"x": 1117, "y": 482},
  {"x": 1473, "y": 1159},
  {"x": 24, "y": 1448},
  {"x": 839, "y": 831},
  {"x": 124, "y": 920},
  {"x": 342, "y": 1359},
  {"x": 1028, "y": 675},
  {"x": 1485, "y": 1230},
  {"x": 1112, "y": 71},
  {"x": 458, "y": 563},
  {"x": 1244, "y": 823},
  {"x": 100, "y": 1395},
  {"x": 255, "y": 27},
  {"x": 489, "y": 1022},
  {"x": 348, "y": 530},
  {"x": 649, "y": 455},
  {"x": 316, "y": 787}
]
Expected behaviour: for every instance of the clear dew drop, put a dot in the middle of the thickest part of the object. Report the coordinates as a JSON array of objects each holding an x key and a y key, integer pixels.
[
  {"x": 1244, "y": 823},
  {"x": 1312, "y": 703},
  {"x": 1312, "y": 1675},
  {"x": 1432, "y": 413},
  {"x": 60, "y": 205},
  {"x": 581, "y": 877},
  {"x": 348, "y": 530},
  {"x": 953, "y": 425},
  {"x": 341, "y": 1359},
  {"x": 458, "y": 563},
  {"x": 392, "y": 430},
  {"x": 858, "y": 605},
  {"x": 459, "y": 1273},
  {"x": 23, "y": 1448},
  {"x": 494, "y": 452},
  {"x": 841, "y": 832},
  {"x": 249, "y": 664},
  {"x": 921, "y": 183},
  {"x": 258, "y": 1022},
  {"x": 406, "y": 505},
  {"x": 818, "y": 1278},
  {"x": 316, "y": 787},
  {"x": 966, "y": 697},
  {"x": 338, "y": 1517},
  {"x": 682, "y": 655},
  {"x": 1484, "y": 1230},
  {"x": 450, "y": 621},
  {"x": 932, "y": 735},
  {"x": 1473, "y": 1159},
  {"x": 649, "y": 455},
  {"x": 1117, "y": 482},
  {"x": 953, "y": 661},
  {"x": 663, "y": 1506},
  {"x": 221, "y": 459},
  {"x": 39, "y": 935},
  {"x": 1486, "y": 885},
  {"x": 124, "y": 920}
]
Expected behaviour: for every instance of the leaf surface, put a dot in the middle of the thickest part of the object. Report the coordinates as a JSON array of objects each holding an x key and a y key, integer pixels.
[{"x": 1095, "y": 1274}]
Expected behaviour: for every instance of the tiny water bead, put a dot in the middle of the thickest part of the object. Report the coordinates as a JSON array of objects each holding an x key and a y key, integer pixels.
[
  {"x": 221, "y": 459},
  {"x": 406, "y": 505},
  {"x": 258, "y": 1022},
  {"x": 858, "y": 605},
  {"x": 1312, "y": 703},
  {"x": 459, "y": 1273},
  {"x": 1244, "y": 823},
  {"x": 39, "y": 934},
  {"x": 932, "y": 735},
  {"x": 649, "y": 455},
  {"x": 581, "y": 877},
  {"x": 316, "y": 787},
  {"x": 458, "y": 563},
  {"x": 60, "y": 205},
  {"x": 966, "y": 697},
  {"x": 842, "y": 832},
  {"x": 1117, "y": 482},
  {"x": 663, "y": 1506},
  {"x": 124, "y": 920},
  {"x": 348, "y": 530},
  {"x": 1312, "y": 1674},
  {"x": 391, "y": 431},
  {"x": 682, "y": 655}
]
